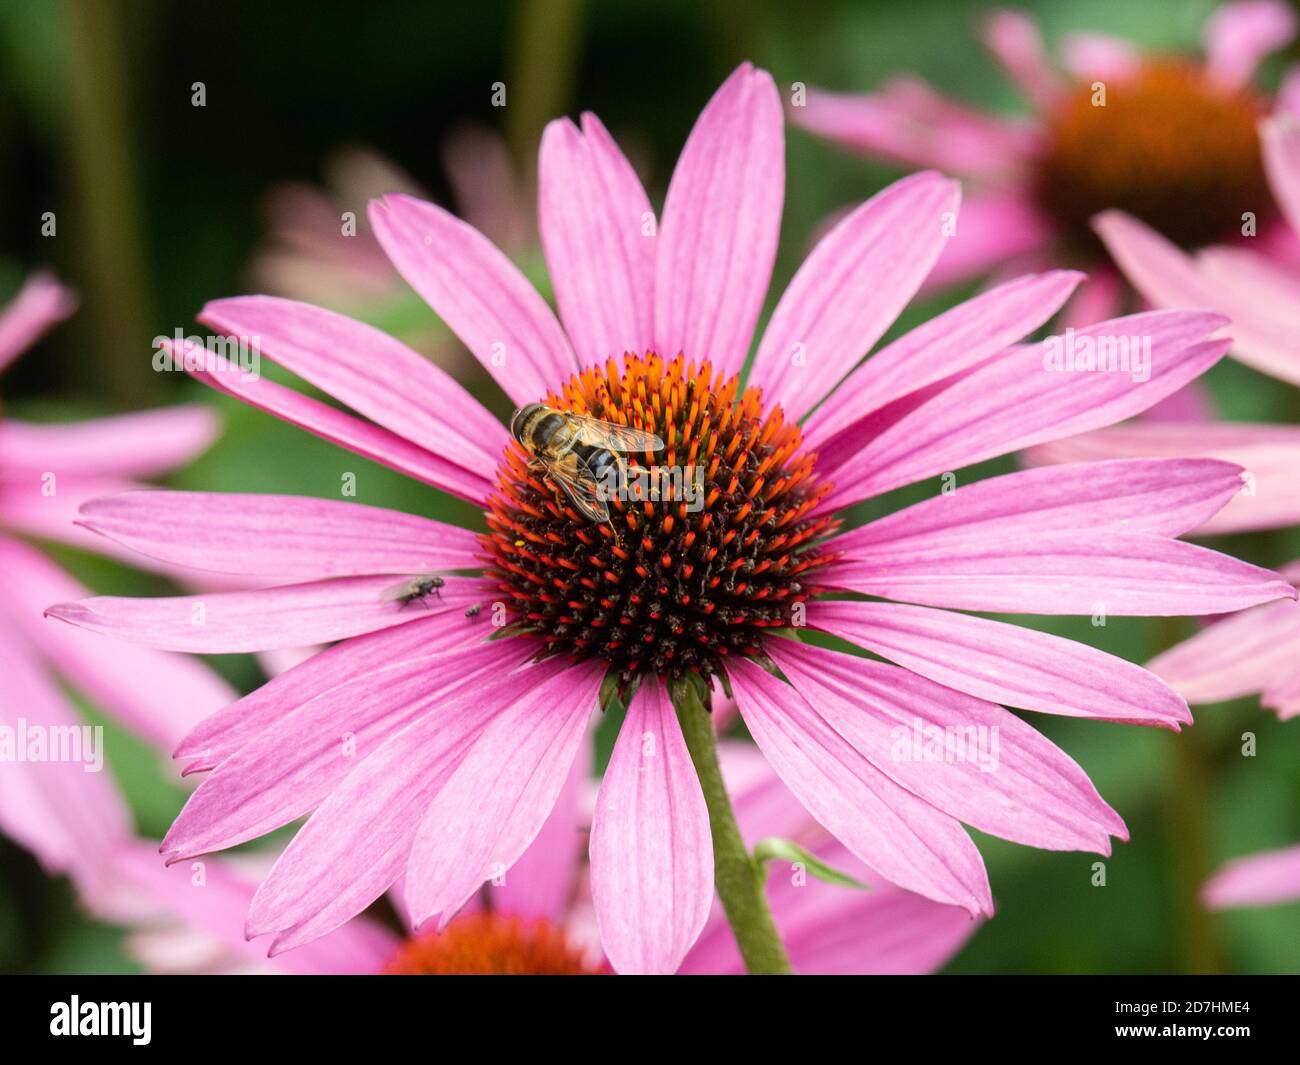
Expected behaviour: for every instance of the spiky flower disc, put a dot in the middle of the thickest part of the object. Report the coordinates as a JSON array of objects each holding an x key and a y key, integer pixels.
[
  {"x": 1168, "y": 145},
  {"x": 666, "y": 586}
]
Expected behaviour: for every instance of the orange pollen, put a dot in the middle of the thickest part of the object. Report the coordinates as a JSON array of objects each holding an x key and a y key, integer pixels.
[
  {"x": 489, "y": 944},
  {"x": 693, "y": 571},
  {"x": 1168, "y": 145}
]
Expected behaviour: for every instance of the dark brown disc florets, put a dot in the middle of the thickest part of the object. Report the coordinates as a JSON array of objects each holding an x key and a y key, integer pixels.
[
  {"x": 1166, "y": 144},
  {"x": 665, "y": 587}
]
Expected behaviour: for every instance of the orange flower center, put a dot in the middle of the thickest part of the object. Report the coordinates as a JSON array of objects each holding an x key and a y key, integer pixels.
[
  {"x": 710, "y": 546},
  {"x": 1168, "y": 146},
  {"x": 488, "y": 944}
]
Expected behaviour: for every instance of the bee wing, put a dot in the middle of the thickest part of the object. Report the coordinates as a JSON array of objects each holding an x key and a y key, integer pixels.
[
  {"x": 615, "y": 437},
  {"x": 583, "y": 492},
  {"x": 405, "y": 589}
]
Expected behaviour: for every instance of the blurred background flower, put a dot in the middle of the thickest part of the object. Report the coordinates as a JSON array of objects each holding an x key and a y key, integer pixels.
[{"x": 147, "y": 173}]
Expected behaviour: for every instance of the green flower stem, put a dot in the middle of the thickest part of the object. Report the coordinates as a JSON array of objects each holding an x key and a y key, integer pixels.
[{"x": 738, "y": 878}]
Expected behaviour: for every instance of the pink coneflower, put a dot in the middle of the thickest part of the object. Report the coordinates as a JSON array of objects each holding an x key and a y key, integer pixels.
[
  {"x": 1173, "y": 144},
  {"x": 46, "y": 472},
  {"x": 432, "y": 754}
]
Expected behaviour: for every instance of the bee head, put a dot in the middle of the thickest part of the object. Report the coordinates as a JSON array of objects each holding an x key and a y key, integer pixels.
[{"x": 520, "y": 419}]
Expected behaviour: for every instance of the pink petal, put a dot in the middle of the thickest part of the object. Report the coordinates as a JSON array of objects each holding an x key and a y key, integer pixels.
[
  {"x": 721, "y": 221},
  {"x": 953, "y": 342},
  {"x": 1065, "y": 572},
  {"x": 999, "y": 230},
  {"x": 157, "y": 695},
  {"x": 909, "y": 122},
  {"x": 1014, "y": 400},
  {"x": 1005, "y": 663},
  {"x": 1013, "y": 39},
  {"x": 289, "y": 768},
  {"x": 1256, "y": 880},
  {"x": 598, "y": 231},
  {"x": 221, "y": 735},
  {"x": 41, "y": 303},
  {"x": 1238, "y": 36},
  {"x": 215, "y": 906},
  {"x": 1280, "y": 139},
  {"x": 357, "y": 842},
  {"x": 1164, "y": 497},
  {"x": 369, "y": 371},
  {"x": 1004, "y": 777},
  {"x": 67, "y": 815},
  {"x": 341, "y": 428},
  {"x": 1167, "y": 277},
  {"x": 495, "y": 803},
  {"x": 287, "y": 616},
  {"x": 1287, "y": 101},
  {"x": 651, "y": 851},
  {"x": 1237, "y": 656},
  {"x": 542, "y": 882},
  {"x": 1269, "y": 454},
  {"x": 1102, "y": 296},
  {"x": 1099, "y": 57},
  {"x": 907, "y": 839},
  {"x": 279, "y": 536},
  {"x": 126, "y": 445},
  {"x": 851, "y": 288},
  {"x": 479, "y": 293},
  {"x": 26, "y": 509}
]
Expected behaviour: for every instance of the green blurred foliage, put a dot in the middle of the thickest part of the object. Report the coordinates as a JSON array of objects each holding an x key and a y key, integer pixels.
[{"x": 288, "y": 84}]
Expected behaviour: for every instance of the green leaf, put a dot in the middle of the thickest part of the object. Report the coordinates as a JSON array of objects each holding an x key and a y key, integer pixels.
[{"x": 772, "y": 847}]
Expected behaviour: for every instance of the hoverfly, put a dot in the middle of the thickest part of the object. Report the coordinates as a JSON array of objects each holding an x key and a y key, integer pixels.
[
  {"x": 416, "y": 590},
  {"x": 578, "y": 453}
]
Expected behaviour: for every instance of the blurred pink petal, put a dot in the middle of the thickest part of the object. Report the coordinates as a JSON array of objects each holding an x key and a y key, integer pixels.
[
  {"x": 1099, "y": 57},
  {"x": 1236, "y": 656},
  {"x": 1239, "y": 35},
  {"x": 157, "y": 695},
  {"x": 40, "y": 304},
  {"x": 995, "y": 229},
  {"x": 909, "y": 122},
  {"x": 1262, "y": 879},
  {"x": 1269, "y": 455},
  {"x": 1168, "y": 277},
  {"x": 125, "y": 445},
  {"x": 62, "y": 810},
  {"x": 1013, "y": 39}
]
